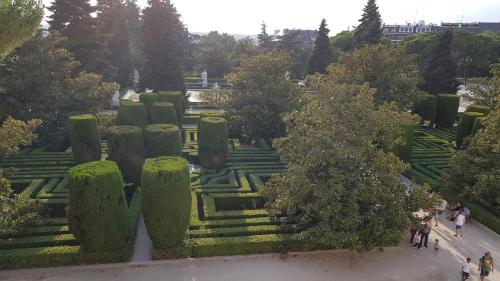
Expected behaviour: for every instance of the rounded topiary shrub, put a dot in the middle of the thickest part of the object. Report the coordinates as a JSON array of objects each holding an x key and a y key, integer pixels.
[
  {"x": 163, "y": 113},
  {"x": 426, "y": 107},
  {"x": 97, "y": 208},
  {"x": 465, "y": 126},
  {"x": 132, "y": 113},
  {"x": 85, "y": 138},
  {"x": 162, "y": 140},
  {"x": 148, "y": 99},
  {"x": 478, "y": 124},
  {"x": 478, "y": 108},
  {"x": 126, "y": 148},
  {"x": 177, "y": 98},
  {"x": 447, "y": 108},
  {"x": 212, "y": 142},
  {"x": 166, "y": 201}
]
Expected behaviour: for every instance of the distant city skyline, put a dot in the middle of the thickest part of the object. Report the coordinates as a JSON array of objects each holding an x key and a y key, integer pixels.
[{"x": 245, "y": 17}]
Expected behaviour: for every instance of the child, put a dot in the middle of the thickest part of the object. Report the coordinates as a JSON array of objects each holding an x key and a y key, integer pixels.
[
  {"x": 417, "y": 240},
  {"x": 466, "y": 270},
  {"x": 436, "y": 246}
]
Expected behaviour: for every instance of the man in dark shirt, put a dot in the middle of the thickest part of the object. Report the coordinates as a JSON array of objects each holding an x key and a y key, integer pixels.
[{"x": 425, "y": 235}]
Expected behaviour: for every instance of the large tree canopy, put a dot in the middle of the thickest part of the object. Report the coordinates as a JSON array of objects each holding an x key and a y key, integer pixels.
[
  {"x": 216, "y": 53},
  {"x": 323, "y": 54},
  {"x": 19, "y": 20},
  {"x": 369, "y": 30}
]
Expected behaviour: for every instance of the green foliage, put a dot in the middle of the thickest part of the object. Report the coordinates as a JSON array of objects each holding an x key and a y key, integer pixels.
[
  {"x": 466, "y": 125},
  {"x": 440, "y": 73},
  {"x": 264, "y": 39},
  {"x": 162, "y": 140},
  {"x": 343, "y": 41},
  {"x": 162, "y": 30},
  {"x": 216, "y": 53},
  {"x": 175, "y": 97},
  {"x": 148, "y": 99},
  {"x": 97, "y": 209},
  {"x": 132, "y": 114},
  {"x": 163, "y": 113},
  {"x": 212, "y": 114},
  {"x": 18, "y": 22},
  {"x": 85, "y": 138},
  {"x": 15, "y": 134},
  {"x": 126, "y": 148},
  {"x": 323, "y": 53},
  {"x": 166, "y": 201},
  {"x": 486, "y": 91},
  {"x": 403, "y": 148},
  {"x": 388, "y": 69},
  {"x": 212, "y": 142},
  {"x": 340, "y": 189},
  {"x": 447, "y": 108},
  {"x": 478, "y": 108},
  {"x": 478, "y": 125},
  {"x": 426, "y": 107},
  {"x": 369, "y": 30}
]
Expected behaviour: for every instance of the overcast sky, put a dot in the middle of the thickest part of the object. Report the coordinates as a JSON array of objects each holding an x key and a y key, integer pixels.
[{"x": 244, "y": 17}]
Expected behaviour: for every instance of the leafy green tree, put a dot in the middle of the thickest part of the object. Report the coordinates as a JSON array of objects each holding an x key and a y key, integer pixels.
[
  {"x": 340, "y": 189},
  {"x": 39, "y": 83},
  {"x": 19, "y": 20},
  {"x": 134, "y": 26},
  {"x": 486, "y": 91},
  {"x": 163, "y": 47},
  {"x": 482, "y": 49},
  {"x": 245, "y": 47},
  {"x": 323, "y": 54},
  {"x": 17, "y": 212},
  {"x": 342, "y": 42},
  {"x": 369, "y": 30},
  {"x": 440, "y": 74},
  {"x": 216, "y": 53},
  {"x": 265, "y": 40},
  {"x": 301, "y": 53},
  {"x": 388, "y": 69},
  {"x": 260, "y": 95}
]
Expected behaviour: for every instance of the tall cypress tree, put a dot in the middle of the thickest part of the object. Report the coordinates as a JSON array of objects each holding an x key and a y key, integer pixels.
[
  {"x": 73, "y": 19},
  {"x": 440, "y": 74},
  {"x": 162, "y": 39},
  {"x": 265, "y": 40},
  {"x": 369, "y": 30},
  {"x": 323, "y": 53}
]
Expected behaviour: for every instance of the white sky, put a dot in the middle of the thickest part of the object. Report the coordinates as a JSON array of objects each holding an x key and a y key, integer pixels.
[{"x": 245, "y": 17}]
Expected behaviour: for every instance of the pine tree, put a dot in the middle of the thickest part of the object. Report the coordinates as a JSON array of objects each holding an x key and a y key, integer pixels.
[
  {"x": 163, "y": 47},
  {"x": 323, "y": 53},
  {"x": 369, "y": 30},
  {"x": 440, "y": 74},
  {"x": 265, "y": 40},
  {"x": 74, "y": 20}
]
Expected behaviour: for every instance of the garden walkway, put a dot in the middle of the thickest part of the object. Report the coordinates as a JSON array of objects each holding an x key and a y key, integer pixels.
[{"x": 396, "y": 263}]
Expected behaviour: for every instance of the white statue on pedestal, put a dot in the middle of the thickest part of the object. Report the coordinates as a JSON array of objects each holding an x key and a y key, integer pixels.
[{"x": 204, "y": 76}]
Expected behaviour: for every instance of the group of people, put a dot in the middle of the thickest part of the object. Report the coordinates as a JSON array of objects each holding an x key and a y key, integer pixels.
[
  {"x": 459, "y": 215},
  {"x": 485, "y": 266}
]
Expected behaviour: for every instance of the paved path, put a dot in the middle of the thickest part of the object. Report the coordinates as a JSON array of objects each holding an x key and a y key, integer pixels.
[{"x": 396, "y": 263}]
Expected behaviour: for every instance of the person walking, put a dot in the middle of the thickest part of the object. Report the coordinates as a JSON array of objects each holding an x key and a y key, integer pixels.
[
  {"x": 425, "y": 235},
  {"x": 485, "y": 265},
  {"x": 436, "y": 246},
  {"x": 459, "y": 224},
  {"x": 413, "y": 231},
  {"x": 466, "y": 270}
]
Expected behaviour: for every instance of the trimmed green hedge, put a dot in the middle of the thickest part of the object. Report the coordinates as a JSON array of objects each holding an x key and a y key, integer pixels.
[
  {"x": 166, "y": 201},
  {"x": 132, "y": 114},
  {"x": 148, "y": 99},
  {"x": 466, "y": 125},
  {"x": 126, "y": 148},
  {"x": 85, "y": 139},
  {"x": 403, "y": 151},
  {"x": 447, "y": 108},
  {"x": 426, "y": 108},
  {"x": 162, "y": 140},
  {"x": 177, "y": 98},
  {"x": 97, "y": 209},
  {"x": 163, "y": 113},
  {"x": 212, "y": 142},
  {"x": 212, "y": 114},
  {"x": 478, "y": 108},
  {"x": 478, "y": 125}
]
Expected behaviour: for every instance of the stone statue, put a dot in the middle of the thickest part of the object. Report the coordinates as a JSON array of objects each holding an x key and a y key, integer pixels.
[{"x": 204, "y": 76}]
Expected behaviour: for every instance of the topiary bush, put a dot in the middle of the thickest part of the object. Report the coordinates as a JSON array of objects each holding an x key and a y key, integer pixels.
[
  {"x": 426, "y": 108},
  {"x": 478, "y": 108},
  {"x": 97, "y": 208},
  {"x": 132, "y": 113},
  {"x": 162, "y": 140},
  {"x": 447, "y": 108},
  {"x": 478, "y": 124},
  {"x": 126, "y": 148},
  {"x": 177, "y": 98},
  {"x": 466, "y": 125},
  {"x": 166, "y": 201},
  {"x": 163, "y": 113},
  {"x": 85, "y": 138},
  {"x": 212, "y": 114},
  {"x": 148, "y": 99},
  {"x": 212, "y": 142}
]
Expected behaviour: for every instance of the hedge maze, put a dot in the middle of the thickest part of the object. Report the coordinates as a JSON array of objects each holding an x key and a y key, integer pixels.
[{"x": 43, "y": 176}]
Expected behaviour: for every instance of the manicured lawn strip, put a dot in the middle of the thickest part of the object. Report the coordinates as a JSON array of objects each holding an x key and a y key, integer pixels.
[
  {"x": 41, "y": 230},
  {"x": 32, "y": 189},
  {"x": 239, "y": 222},
  {"x": 236, "y": 231},
  {"x": 37, "y": 241}
]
